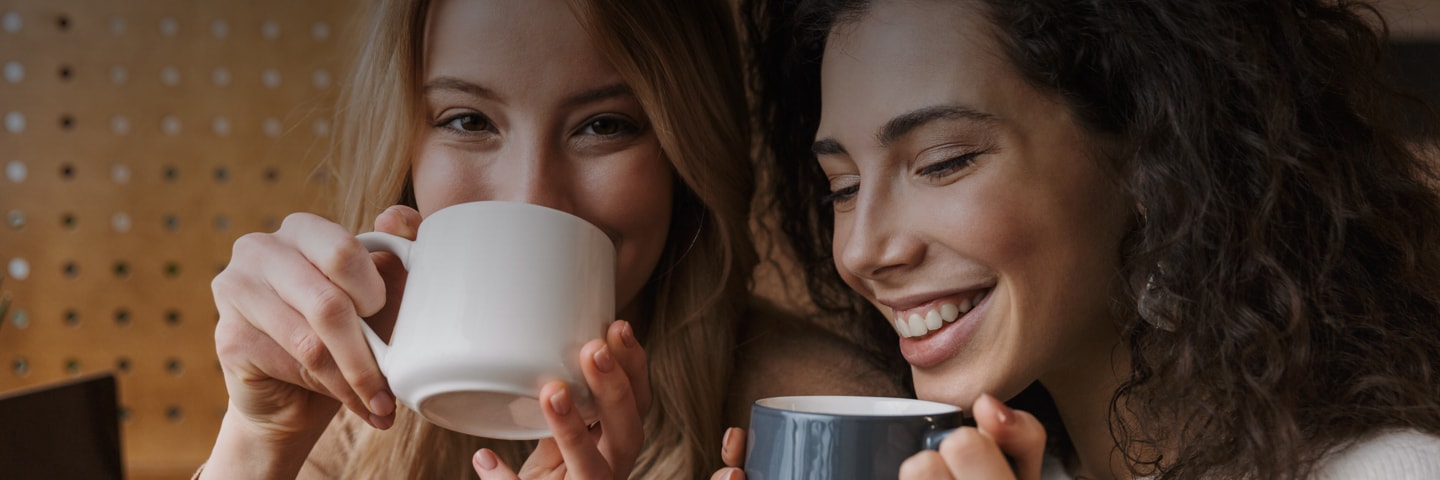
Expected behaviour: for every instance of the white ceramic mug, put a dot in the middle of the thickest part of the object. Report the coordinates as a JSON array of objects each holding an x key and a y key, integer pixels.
[{"x": 499, "y": 299}]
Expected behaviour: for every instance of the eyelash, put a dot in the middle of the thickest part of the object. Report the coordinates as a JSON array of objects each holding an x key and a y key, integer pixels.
[
  {"x": 447, "y": 122},
  {"x": 840, "y": 196},
  {"x": 932, "y": 171},
  {"x": 623, "y": 125}
]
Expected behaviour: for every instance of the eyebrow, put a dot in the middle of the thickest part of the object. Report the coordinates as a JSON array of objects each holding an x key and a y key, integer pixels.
[
  {"x": 585, "y": 97},
  {"x": 906, "y": 122}
]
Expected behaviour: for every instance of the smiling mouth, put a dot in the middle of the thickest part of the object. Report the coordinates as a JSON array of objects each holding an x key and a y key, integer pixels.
[{"x": 922, "y": 321}]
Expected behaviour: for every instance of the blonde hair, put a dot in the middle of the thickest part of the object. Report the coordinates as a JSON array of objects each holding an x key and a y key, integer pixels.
[{"x": 682, "y": 61}]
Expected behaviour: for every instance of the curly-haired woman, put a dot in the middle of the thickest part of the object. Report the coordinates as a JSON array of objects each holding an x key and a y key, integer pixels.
[{"x": 1191, "y": 230}]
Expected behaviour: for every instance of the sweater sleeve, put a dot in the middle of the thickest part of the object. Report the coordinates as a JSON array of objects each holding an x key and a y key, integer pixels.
[{"x": 1394, "y": 455}]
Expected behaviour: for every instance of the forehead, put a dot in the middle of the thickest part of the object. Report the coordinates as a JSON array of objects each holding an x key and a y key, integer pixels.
[
  {"x": 519, "y": 41},
  {"x": 902, "y": 55}
]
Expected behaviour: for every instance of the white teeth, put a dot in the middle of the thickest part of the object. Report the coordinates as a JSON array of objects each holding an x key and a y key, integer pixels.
[
  {"x": 917, "y": 325},
  {"x": 949, "y": 312},
  {"x": 932, "y": 320},
  {"x": 902, "y": 327}
]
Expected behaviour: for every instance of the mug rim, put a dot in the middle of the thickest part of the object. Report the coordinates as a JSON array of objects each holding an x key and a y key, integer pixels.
[
  {"x": 508, "y": 205},
  {"x": 852, "y": 404}
]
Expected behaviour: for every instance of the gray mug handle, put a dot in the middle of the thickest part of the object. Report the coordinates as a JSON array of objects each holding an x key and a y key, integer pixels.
[{"x": 934, "y": 437}]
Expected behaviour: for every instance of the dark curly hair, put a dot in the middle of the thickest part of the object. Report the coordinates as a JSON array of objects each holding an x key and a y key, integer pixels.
[{"x": 1282, "y": 220}]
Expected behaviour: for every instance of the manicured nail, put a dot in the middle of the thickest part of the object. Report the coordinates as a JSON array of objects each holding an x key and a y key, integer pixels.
[
  {"x": 725, "y": 442},
  {"x": 1002, "y": 412},
  {"x": 485, "y": 459},
  {"x": 603, "y": 361},
  {"x": 733, "y": 474},
  {"x": 382, "y": 422},
  {"x": 560, "y": 402},
  {"x": 382, "y": 403},
  {"x": 628, "y": 335}
]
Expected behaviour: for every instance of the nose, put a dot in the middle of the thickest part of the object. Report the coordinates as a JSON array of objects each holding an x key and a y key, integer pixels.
[
  {"x": 535, "y": 173},
  {"x": 876, "y": 244}
]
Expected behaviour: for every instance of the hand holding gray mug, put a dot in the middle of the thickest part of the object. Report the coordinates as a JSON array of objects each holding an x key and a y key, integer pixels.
[{"x": 841, "y": 437}]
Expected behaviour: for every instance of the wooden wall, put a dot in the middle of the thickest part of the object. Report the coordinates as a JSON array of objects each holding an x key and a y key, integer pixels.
[{"x": 138, "y": 139}]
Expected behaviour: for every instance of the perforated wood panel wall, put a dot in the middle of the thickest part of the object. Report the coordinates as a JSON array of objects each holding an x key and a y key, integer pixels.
[{"x": 138, "y": 139}]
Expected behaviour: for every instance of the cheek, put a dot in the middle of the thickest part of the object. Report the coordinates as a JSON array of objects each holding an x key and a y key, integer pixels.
[{"x": 631, "y": 201}]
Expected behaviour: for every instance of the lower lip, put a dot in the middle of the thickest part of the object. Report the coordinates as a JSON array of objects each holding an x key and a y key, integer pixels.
[{"x": 938, "y": 346}]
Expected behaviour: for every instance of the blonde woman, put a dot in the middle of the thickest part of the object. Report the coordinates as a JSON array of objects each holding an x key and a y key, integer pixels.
[{"x": 628, "y": 113}]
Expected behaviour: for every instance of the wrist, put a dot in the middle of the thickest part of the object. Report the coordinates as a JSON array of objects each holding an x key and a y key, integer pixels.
[{"x": 244, "y": 449}]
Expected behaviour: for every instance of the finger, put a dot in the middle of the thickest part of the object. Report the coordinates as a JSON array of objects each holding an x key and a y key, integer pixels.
[
  {"x": 489, "y": 466},
  {"x": 577, "y": 448},
  {"x": 631, "y": 357},
  {"x": 623, "y": 435},
  {"x": 399, "y": 220},
  {"x": 1018, "y": 434},
  {"x": 732, "y": 447},
  {"x": 925, "y": 465},
  {"x": 970, "y": 452},
  {"x": 330, "y": 336},
  {"x": 337, "y": 254},
  {"x": 729, "y": 473}
]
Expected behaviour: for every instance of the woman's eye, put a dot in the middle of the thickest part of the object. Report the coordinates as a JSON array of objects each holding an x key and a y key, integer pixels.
[
  {"x": 609, "y": 126},
  {"x": 838, "y": 198},
  {"x": 469, "y": 123},
  {"x": 946, "y": 167}
]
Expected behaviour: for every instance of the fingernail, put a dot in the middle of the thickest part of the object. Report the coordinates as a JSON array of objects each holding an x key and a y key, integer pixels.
[
  {"x": 560, "y": 402},
  {"x": 1002, "y": 411},
  {"x": 725, "y": 442},
  {"x": 603, "y": 361},
  {"x": 382, "y": 403},
  {"x": 733, "y": 474},
  {"x": 485, "y": 459},
  {"x": 628, "y": 335},
  {"x": 383, "y": 422}
]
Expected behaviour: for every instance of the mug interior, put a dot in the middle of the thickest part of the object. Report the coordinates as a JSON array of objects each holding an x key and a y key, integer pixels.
[{"x": 855, "y": 405}]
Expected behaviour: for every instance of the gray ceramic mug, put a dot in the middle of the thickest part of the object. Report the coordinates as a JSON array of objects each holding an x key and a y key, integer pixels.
[{"x": 840, "y": 437}]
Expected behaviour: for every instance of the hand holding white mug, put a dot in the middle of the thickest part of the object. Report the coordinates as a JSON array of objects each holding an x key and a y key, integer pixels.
[{"x": 288, "y": 343}]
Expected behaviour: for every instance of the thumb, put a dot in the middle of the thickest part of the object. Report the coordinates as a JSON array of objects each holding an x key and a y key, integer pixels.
[
  {"x": 399, "y": 220},
  {"x": 1018, "y": 434}
]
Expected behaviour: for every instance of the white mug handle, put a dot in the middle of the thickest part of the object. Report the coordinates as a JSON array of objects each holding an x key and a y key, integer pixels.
[{"x": 383, "y": 242}]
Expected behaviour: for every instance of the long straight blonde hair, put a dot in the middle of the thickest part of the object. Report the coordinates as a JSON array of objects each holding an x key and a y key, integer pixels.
[{"x": 682, "y": 60}]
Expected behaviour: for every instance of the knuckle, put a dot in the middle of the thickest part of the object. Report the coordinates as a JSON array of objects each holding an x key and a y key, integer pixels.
[
  {"x": 250, "y": 244},
  {"x": 329, "y": 307},
  {"x": 310, "y": 352},
  {"x": 963, "y": 442},
  {"x": 295, "y": 220},
  {"x": 344, "y": 256}
]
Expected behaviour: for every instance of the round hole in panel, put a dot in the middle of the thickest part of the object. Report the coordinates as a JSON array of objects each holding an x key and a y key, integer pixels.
[
  {"x": 120, "y": 173},
  {"x": 221, "y": 126},
  {"x": 220, "y": 28},
  {"x": 20, "y": 319},
  {"x": 122, "y": 270},
  {"x": 173, "y": 366},
  {"x": 271, "y": 174},
  {"x": 16, "y": 219},
  {"x": 174, "y": 414},
  {"x": 169, "y": 27},
  {"x": 67, "y": 171},
  {"x": 11, "y": 22},
  {"x": 270, "y": 224},
  {"x": 67, "y": 122},
  {"x": 15, "y": 122},
  {"x": 172, "y": 317},
  {"x": 117, "y": 26},
  {"x": 172, "y": 222},
  {"x": 21, "y": 366},
  {"x": 66, "y": 73},
  {"x": 62, "y": 22},
  {"x": 220, "y": 76},
  {"x": 68, "y": 220},
  {"x": 16, "y": 171},
  {"x": 120, "y": 125},
  {"x": 72, "y": 365},
  {"x": 320, "y": 31},
  {"x": 172, "y": 269},
  {"x": 270, "y": 30},
  {"x": 170, "y": 76},
  {"x": 119, "y": 75},
  {"x": 170, "y": 125},
  {"x": 14, "y": 72},
  {"x": 123, "y": 364},
  {"x": 272, "y": 128},
  {"x": 19, "y": 268},
  {"x": 170, "y": 173},
  {"x": 70, "y": 269},
  {"x": 71, "y": 318},
  {"x": 222, "y": 223},
  {"x": 270, "y": 78},
  {"x": 222, "y": 174},
  {"x": 122, "y": 317},
  {"x": 321, "y": 79},
  {"x": 120, "y": 221}
]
